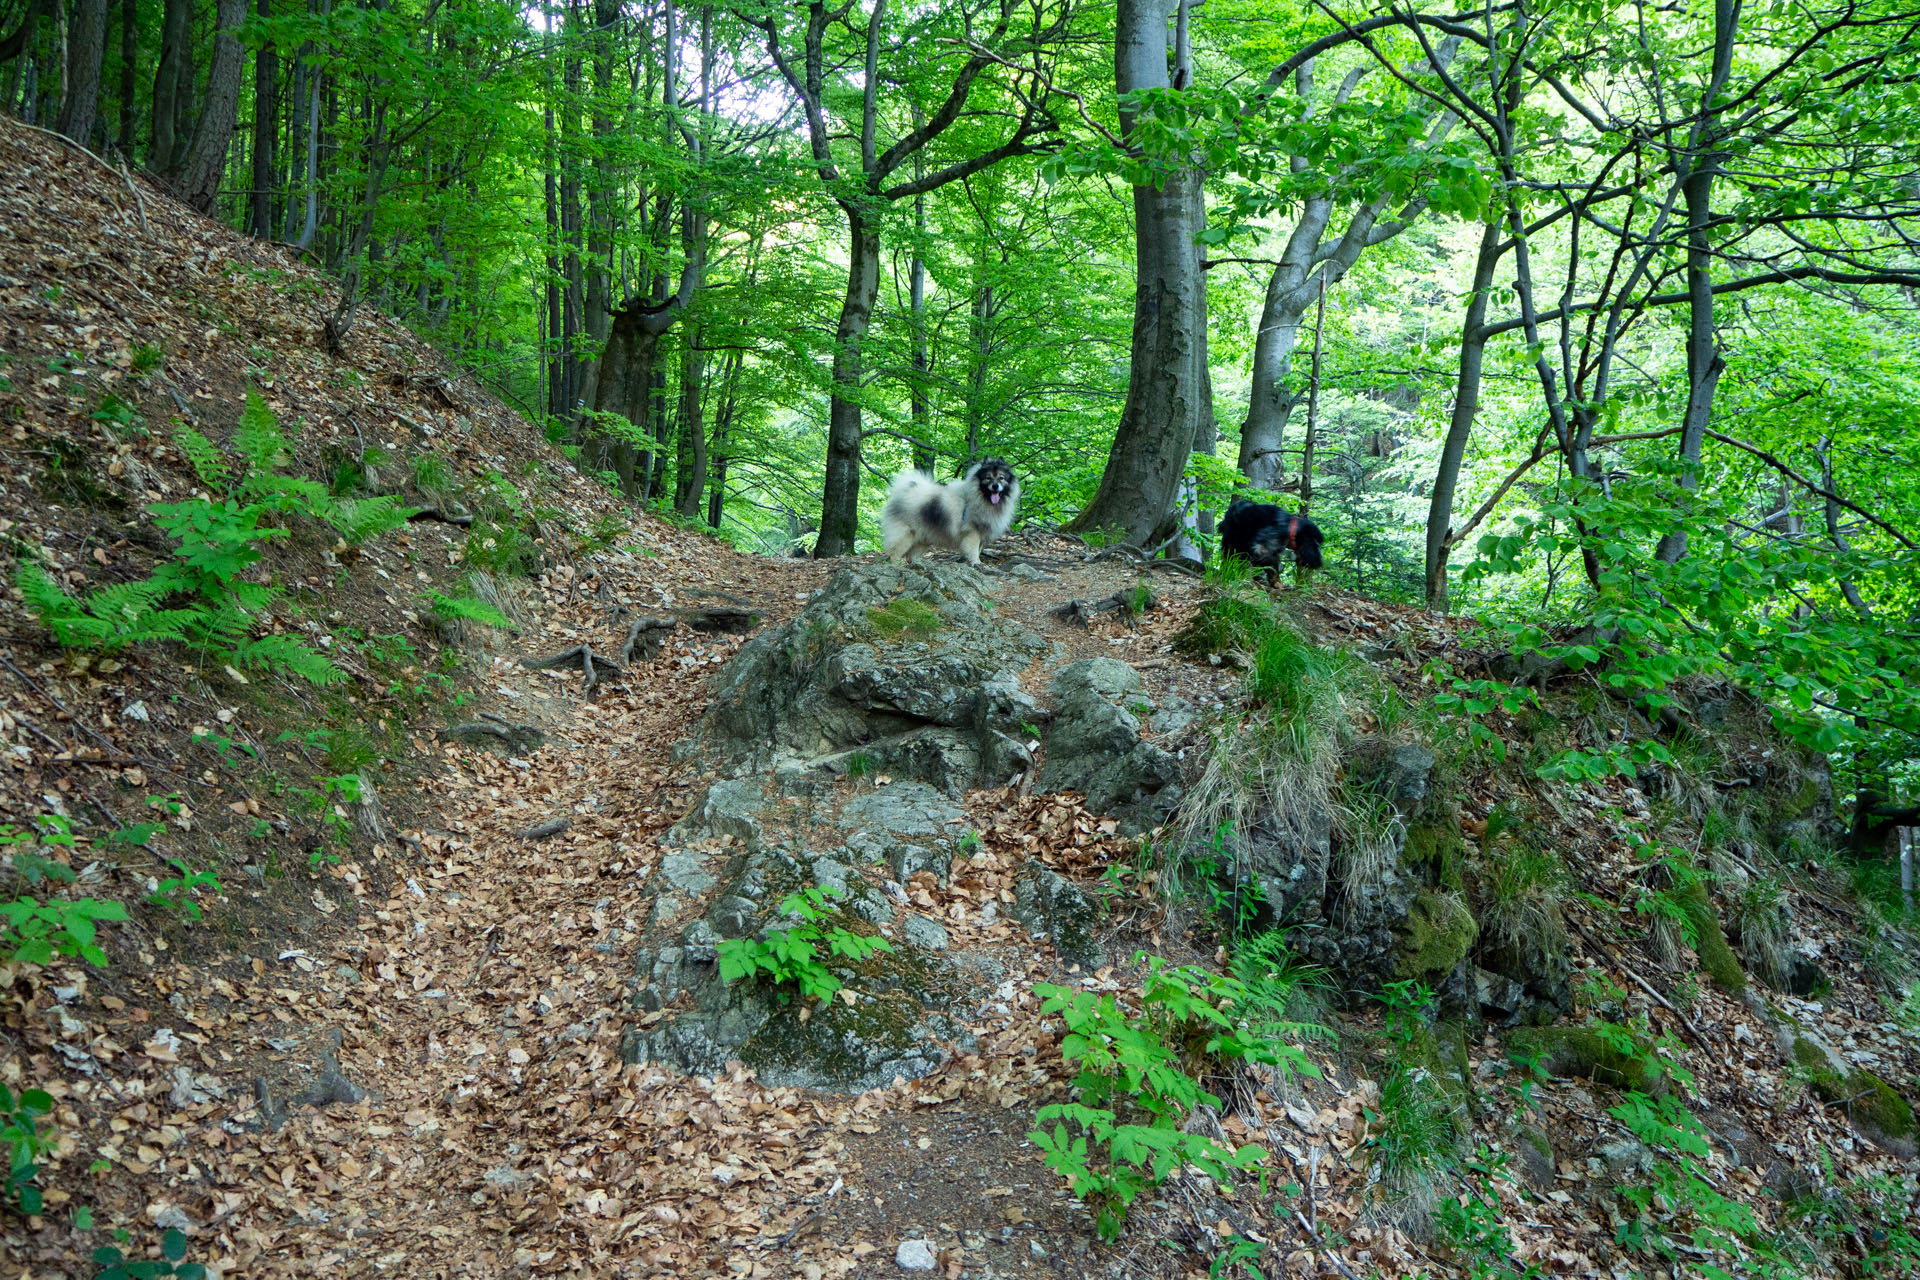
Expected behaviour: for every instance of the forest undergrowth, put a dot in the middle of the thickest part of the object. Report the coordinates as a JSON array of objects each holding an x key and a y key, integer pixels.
[{"x": 310, "y": 983}]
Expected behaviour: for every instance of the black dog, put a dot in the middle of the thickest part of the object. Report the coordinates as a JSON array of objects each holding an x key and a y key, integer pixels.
[{"x": 1259, "y": 531}]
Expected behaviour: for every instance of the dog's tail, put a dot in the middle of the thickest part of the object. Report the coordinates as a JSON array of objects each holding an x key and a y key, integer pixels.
[{"x": 909, "y": 485}]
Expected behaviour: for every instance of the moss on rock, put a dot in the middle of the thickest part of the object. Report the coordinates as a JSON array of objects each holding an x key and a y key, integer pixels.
[
  {"x": 1873, "y": 1105},
  {"x": 1584, "y": 1053},
  {"x": 1439, "y": 933},
  {"x": 1716, "y": 957},
  {"x": 1435, "y": 844},
  {"x": 905, "y": 617}
]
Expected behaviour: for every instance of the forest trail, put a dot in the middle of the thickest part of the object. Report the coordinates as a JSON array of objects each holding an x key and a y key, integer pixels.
[{"x": 406, "y": 1061}]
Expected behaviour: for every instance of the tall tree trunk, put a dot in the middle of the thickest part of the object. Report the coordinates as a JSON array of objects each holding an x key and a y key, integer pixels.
[
  {"x": 573, "y": 298},
  {"x": 603, "y": 198},
  {"x": 690, "y": 476},
  {"x": 129, "y": 66},
  {"x": 86, "y": 51},
  {"x": 1157, "y": 424},
  {"x": 555, "y": 354},
  {"x": 310, "y": 225},
  {"x": 919, "y": 402},
  {"x": 979, "y": 352},
  {"x": 722, "y": 435},
  {"x": 1466, "y": 404},
  {"x": 207, "y": 160},
  {"x": 266, "y": 129},
  {"x": 172, "y": 82},
  {"x": 840, "y": 502}
]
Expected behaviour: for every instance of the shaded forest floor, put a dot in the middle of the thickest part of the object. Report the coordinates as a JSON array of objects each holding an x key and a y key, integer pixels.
[{"x": 395, "y": 1050}]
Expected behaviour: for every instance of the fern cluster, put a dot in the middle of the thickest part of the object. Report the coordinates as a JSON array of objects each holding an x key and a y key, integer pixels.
[{"x": 199, "y": 598}]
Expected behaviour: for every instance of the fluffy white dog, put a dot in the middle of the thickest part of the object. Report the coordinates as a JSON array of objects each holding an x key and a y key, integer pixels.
[{"x": 959, "y": 515}]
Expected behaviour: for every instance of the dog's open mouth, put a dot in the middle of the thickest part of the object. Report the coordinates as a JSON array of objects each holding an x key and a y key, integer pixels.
[{"x": 994, "y": 498}]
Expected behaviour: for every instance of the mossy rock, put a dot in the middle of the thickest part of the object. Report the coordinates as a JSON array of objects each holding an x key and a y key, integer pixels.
[
  {"x": 1716, "y": 957},
  {"x": 1584, "y": 1053},
  {"x": 1436, "y": 846},
  {"x": 1873, "y": 1105},
  {"x": 905, "y": 618},
  {"x": 1438, "y": 934}
]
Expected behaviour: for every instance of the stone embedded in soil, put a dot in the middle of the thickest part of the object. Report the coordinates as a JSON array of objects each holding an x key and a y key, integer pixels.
[
  {"x": 915, "y": 1255},
  {"x": 1052, "y": 906},
  {"x": 1094, "y": 744}
]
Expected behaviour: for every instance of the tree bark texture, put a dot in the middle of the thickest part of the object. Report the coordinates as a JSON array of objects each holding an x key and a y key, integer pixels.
[
  {"x": 129, "y": 62},
  {"x": 840, "y": 501},
  {"x": 266, "y": 130},
  {"x": 690, "y": 472},
  {"x": 172, "y": 85},
  {"x": 1466, "y": 404},
  {"x": 206, "y": 161},
  {"x": 1162, "y": 409},
  {"x": 86, "y": 51}
]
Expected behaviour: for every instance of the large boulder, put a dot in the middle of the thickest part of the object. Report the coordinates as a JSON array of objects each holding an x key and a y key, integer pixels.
[
  {"x": 903, "y": 1012},
  {"x": 893, "y": 668},
  {"x": 1100, "y": 707}
]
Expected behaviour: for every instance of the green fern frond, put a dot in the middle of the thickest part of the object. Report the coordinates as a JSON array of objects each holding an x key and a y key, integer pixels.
[
  {"x": 358, "y": 519},
  {"x": 466, "y": 608},
  {"x": 294, "y": 494},
  {"x": 206, "y": 458},
  {"x": 110, "y": 618},
  {"x": 259, "y": 438},
  {"x": 284, "y": 653}
]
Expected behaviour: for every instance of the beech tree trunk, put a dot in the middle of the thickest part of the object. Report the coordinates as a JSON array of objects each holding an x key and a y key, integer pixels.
[
  {"x": 266, "y": 129},
  {"x": 129, "y": 54},
  {"x": 1466, "y": 404},
  {"x": 207, "y": 160},
  {"x": 840, "y": 503},
  {"x": 690, "y": 475},
  {"x": 1162, "y": 410},
  {"x": 172, "y": 85},
  {"x": 86, "y": 51}
]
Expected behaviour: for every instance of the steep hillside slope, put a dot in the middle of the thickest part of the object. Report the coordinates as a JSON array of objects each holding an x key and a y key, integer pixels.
[{"x": 457, "y": 1005}]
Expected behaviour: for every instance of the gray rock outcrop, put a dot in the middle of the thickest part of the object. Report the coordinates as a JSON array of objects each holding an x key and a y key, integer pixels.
[{"x": 901, "y": 669}]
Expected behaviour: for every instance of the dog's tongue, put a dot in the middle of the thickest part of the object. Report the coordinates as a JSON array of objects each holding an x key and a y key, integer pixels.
[{"x": 994, "y": 498}]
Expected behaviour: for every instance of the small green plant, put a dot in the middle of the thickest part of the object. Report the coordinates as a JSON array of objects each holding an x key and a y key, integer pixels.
[
  {"x": 112, "y": 411},
  {"x": 795, "y": 955},
  {"x": 465, "y": 609},
  {"x": 147, "y": 358},
  {"x": 1472, "y": 1225},
  {"x": 34, "y": 932},
  {"x": 1472, "y": 699},
  {"x": 228, "y": 749},
  {"x": 1679, "y": 1190},
  {"x": 20, "y": 1132},
  {"x": 431, "y": 474},
  {"x": 1136, "y": 1083},
  {"x": 1413, "y": 1137},
  {"x": 859, "y": 765},
  {"x": 179, "y": 892},
  {"x": 202, "y": 598},
  {"x": 173, "y": 1252}
]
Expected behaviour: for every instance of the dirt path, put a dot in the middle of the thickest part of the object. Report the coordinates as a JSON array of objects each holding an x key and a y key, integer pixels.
[{"x": 479, "y": 1006}]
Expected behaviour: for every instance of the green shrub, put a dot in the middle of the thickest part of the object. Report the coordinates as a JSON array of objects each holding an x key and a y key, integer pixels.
[
  {"x": 1136, "y": 1083},
  {"x": 20, "y": 1133},
  {"x": 794, "y": 955},
  {"x": 199, "y": 598},
  {"x": 34, "y": 932}
]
